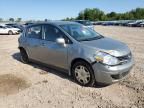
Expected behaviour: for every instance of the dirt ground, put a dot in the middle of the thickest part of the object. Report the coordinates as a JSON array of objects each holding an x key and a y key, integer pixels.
[{"x": 35, "y": 86}]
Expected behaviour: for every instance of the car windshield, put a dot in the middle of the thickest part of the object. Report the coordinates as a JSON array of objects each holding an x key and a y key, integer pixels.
[
  {"x": 81, "y": 33},
  {"x": 8, "y": 26}
]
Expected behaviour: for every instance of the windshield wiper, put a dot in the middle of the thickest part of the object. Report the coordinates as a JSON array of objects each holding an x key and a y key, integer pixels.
[{"x": 94, "y": 38}]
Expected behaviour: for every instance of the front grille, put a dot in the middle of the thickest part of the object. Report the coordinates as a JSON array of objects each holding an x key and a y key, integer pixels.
[{"x": 125, "y": 59}]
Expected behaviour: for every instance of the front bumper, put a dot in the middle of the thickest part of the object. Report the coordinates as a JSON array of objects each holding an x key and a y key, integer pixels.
[
  {"x": 16, "y": 32},
  {"x": 110, "y": 74}
]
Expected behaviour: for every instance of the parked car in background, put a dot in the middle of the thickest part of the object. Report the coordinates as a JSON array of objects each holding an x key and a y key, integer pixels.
[
  {"x": 108, "y": 23},
  {"x": 121, "y": 23},
  {"x": 97, "y": 23},
  {"x": 86, "y": 23},
  {"x": 141, "y": 24},
  {"x": 116, "y": 23},
  {"x": 77, "y": 50},
  {"x": 28, "y": 23},
  {"x": 14, "y": 25},
  {"x": 134, "y": 23},
  {"x": 4, "y": 29}
]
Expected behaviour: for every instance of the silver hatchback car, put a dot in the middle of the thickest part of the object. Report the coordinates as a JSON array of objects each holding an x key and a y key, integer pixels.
[{"x": 77, "y": 50}]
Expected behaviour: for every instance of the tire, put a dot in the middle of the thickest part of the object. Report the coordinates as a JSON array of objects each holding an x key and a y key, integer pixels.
[
  {"x": 24, "y": 56},
  {"x": 10, "y": 32},
  {"x": 87, "y": 74}
]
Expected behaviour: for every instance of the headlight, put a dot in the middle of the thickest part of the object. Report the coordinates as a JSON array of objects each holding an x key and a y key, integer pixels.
[{"x": 106, "y": 59}]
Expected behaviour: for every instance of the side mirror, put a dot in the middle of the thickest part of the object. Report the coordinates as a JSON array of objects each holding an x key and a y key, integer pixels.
[{"x": 61, "y": 41}]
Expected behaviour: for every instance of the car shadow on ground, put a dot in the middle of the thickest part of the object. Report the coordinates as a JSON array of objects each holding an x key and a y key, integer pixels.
[{"x": 48, "y": 69}]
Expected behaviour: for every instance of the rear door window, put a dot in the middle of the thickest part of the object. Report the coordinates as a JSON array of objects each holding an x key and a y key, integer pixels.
[{"x": 34, "y": 32}]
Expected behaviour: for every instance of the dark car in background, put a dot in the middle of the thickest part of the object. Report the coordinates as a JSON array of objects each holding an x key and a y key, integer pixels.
[
  {"x": 128, "y": 23},
  {"x": 97, "y": 23},
  {"x": 108, "y": 23},
  {"x": 141, "y": 24},
  {"x": 28, "y": 23},
  {"x": 122, "y": 22}
]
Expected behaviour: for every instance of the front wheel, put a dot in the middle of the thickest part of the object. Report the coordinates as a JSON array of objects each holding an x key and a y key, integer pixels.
[
  {"x": 24, "y": 56},
  {"x": 10, "y": 32},
  {"x": 83, "y": 73}
]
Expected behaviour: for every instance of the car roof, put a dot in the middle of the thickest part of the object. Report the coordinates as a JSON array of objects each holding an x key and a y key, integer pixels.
[
  {"x": 63, "y": 22},
  {"x": 54, "y": 23},
  {"x": 2, "y": 25}
]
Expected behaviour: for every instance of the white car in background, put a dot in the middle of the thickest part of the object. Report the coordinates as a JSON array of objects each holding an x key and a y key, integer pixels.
[{"x": 4, "y": 29}]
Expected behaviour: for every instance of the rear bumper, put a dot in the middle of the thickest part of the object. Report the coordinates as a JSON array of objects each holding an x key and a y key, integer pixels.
[{"x": 110, "y": 74}]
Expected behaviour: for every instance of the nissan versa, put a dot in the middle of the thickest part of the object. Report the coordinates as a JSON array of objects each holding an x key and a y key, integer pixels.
[{"x": 81, "y": 52}]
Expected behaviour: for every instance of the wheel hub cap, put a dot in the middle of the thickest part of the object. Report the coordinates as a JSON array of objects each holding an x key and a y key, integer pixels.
[{"x": 82, "y": 74}]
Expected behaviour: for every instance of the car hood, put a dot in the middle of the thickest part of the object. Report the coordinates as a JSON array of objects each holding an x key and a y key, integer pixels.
[
  {"x": 108, "y": 45},
  {"x": 15, "y": 29}
]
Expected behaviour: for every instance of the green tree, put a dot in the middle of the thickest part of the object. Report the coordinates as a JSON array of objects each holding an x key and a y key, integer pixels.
[
  {"x": 46, "y": 20},
  {"x": 138, "y": 13},
  {"x": 80, "y": 16},
  {"x": 112, "y": 16},
  {"x": 1, "y": 19},
  {"x": 91, "y": 14},
  {"x": 19, "y": 19},
  {"x": 104, "y": 18},
  {"x": 11, "y": 19},
  {"x": 69, "y": 19},
  {"x": 98, "y": 15}
]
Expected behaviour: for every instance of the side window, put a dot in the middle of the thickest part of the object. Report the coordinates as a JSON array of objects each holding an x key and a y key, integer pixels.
[
  {"x": 1, "y": 27},
  {"x": 34, "y": 32},
  {"x": 51, "y": 33}
]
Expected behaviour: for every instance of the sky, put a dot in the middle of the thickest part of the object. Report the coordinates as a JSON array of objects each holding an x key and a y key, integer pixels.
[{"x": 60, "y": 9}]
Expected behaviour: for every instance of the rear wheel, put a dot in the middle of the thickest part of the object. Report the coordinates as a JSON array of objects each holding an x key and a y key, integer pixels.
[
  {"x": 24, "y": 56},
  {"x": 83, "y": 73},
  {"x": 10, "y": 32}
]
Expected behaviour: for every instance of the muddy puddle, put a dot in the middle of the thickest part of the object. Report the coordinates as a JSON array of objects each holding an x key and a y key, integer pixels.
[{"x": 10, "y": 84}]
